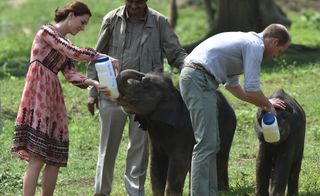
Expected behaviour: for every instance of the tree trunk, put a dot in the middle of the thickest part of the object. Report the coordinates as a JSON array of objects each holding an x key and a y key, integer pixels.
[
  {"x": 242, "y": 15},
  {"x": 210, "y": 6},
  {"x": 173, "y": 13},
  {"x": 272, "y": 13},
  {"x": 235, "y": 15}
]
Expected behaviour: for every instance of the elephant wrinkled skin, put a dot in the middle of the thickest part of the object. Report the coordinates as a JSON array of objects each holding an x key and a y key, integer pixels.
[{"x": 159, "y": 108}]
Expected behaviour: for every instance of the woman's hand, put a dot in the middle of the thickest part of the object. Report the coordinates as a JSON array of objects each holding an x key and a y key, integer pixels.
[
  {"x": 104, "y": 90},
  {"x": 90, "y": 82}
]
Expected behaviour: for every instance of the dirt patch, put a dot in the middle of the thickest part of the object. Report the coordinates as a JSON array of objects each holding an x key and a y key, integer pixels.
[
  {"x": 15, "y": 2},
  {"x": 299, "y": 5}
]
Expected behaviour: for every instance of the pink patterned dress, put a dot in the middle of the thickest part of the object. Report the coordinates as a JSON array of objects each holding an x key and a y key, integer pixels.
[{"x": 41, "y": 125}]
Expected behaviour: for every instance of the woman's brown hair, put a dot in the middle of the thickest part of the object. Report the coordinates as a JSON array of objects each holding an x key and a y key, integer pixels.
[{"x": 77, "y": 7}]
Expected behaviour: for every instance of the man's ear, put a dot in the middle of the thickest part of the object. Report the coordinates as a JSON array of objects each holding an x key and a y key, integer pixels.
[{"x": 275, "y": 42}]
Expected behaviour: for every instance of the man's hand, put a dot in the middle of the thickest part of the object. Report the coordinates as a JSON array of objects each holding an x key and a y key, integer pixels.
[
  {"x": 115, "y": 64},
  {"x": 91, "y": 102},
  {"x": 275, "y": 103},
  {"x": 278, "y": 103}
]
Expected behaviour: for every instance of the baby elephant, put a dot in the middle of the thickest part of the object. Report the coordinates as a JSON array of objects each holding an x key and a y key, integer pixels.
[
  {"x": 278, "y": 164},
  {"x": 159, "y": 108}
]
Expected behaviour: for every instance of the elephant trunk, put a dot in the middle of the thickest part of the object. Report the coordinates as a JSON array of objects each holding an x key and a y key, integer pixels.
[{"x": 124, "y": 76}]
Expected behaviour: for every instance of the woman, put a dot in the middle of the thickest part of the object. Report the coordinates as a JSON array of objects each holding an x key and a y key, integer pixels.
[{"x": 41, "y": 132}]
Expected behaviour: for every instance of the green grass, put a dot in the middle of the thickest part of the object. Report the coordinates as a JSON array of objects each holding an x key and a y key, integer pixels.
[{"x": 298, "y": 74}]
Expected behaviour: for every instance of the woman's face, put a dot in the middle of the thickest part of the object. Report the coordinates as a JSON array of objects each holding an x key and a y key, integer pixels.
[{"x": 77, "y": 23}]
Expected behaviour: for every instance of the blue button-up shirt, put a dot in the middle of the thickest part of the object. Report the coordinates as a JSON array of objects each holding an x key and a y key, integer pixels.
[{"x": 227, "y": 55}]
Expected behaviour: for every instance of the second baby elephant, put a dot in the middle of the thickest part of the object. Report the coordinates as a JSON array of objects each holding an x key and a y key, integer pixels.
[
  {"x": 278, "y": 164},
  {"x": 160, "y": 109}
]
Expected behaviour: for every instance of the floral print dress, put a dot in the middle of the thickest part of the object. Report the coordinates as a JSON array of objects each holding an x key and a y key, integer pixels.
[{"x": 41, "y": 125}]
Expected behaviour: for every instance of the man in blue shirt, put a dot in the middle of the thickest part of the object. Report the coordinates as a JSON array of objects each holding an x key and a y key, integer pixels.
[{"x": 220, "y": 60}]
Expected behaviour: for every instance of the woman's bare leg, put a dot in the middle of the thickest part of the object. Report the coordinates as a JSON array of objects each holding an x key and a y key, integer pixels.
[
  {"x": 31, "y": 176},
  {"x": 49, "y": 180}
]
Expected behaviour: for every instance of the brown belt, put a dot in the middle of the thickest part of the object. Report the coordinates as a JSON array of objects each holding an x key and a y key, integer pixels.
[{"x": 197, "y": 67}]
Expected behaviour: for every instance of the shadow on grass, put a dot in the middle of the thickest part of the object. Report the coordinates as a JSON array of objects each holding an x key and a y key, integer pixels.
[
  {"x": 240, "y": 191},
  {"x": 316, "y": 193},
  {"x": 13, "y": 68},
  {"x": 297, "y": 56},
  {"x": 248, "y": 191}
]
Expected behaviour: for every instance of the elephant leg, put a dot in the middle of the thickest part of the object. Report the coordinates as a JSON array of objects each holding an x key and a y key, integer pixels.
[
  {"x": 280, "y": 174},
  {"x": 177, "y": 172},
  {"x": 222, "y": 171},
  {"x": 227, "y": 127},
  {"x": 263, "y": 170},
  {"x": 293, "y": 181},
  {"x": 158, "y": 173}
]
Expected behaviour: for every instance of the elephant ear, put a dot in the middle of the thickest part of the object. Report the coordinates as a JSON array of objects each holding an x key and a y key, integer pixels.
[{"x": 172, "y": 112}]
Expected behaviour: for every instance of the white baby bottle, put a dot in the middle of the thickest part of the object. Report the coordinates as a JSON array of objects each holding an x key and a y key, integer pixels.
[
  {"x": 270, "y": 128},
  {"x": 106, "y": 75}
]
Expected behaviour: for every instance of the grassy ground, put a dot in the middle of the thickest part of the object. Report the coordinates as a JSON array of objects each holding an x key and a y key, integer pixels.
[{"x": 297, "y": 73}]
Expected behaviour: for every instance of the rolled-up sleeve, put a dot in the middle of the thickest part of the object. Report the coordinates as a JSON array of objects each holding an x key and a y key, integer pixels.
[
  {"x": 252, "y": 57},
  {"x": 232, "y": 81}
]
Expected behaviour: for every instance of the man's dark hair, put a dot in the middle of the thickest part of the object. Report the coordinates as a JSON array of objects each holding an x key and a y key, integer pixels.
[{"x": 277, "y": 31}]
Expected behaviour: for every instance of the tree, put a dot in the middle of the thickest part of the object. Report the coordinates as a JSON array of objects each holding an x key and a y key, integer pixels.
[{"x": 237, "y": 15}]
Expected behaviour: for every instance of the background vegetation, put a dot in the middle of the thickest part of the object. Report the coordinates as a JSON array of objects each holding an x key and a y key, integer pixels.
[{"x": 297, "y": 73}]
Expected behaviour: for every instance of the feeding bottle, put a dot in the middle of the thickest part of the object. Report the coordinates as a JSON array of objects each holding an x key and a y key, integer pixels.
[
  {"x": 107, "y": 75},
  {"x": 270, "y": 128}
]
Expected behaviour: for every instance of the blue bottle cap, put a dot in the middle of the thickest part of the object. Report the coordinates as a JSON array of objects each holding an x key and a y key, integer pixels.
[
  {"x": 102, "y": 59},
  {"x": 268, "y": 118}
]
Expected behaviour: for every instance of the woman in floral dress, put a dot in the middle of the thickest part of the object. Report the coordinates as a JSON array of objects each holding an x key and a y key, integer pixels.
[{"x": 41, "y": 131}]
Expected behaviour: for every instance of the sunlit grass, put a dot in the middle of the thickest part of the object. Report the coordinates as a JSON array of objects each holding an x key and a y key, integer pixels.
[{"x": 297, "y": 74}]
